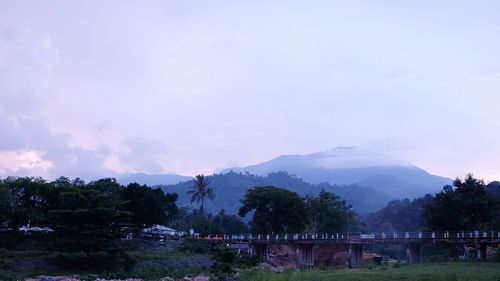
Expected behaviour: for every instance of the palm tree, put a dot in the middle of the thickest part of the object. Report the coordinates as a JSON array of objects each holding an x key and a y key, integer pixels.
[{"x": 201, "y": 190}]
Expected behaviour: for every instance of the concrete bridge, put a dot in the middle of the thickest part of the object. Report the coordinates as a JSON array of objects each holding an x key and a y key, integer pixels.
[{"x": 305, "y": 243}]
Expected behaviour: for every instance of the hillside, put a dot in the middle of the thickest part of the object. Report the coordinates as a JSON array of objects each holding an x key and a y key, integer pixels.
[
  {"x": 231, "y": 187},
  {"x": 351, "y": 165}
]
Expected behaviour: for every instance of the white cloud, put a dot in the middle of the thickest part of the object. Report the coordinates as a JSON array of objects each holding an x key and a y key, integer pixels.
[{"x": 243, "y": 81}]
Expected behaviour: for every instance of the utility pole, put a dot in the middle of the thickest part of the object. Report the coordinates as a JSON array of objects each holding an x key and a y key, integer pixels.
[
  {"x": 210, "y": 228},
  {"x": 348, "y": 211}
]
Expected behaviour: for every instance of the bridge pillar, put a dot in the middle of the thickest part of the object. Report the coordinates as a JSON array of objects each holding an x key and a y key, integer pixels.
[
  {"x": 414, "y": 253},
  {"x": 481, "y": 251},
  {"x": 305, "y": 256},
  {"x": 466, "y": 251},
  {"x": 260, "y": 251},
  {"x": 355, "y": 255}
]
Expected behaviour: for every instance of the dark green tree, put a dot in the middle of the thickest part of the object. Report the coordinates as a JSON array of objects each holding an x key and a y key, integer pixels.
[
  {"x": 27, "y": 201},
  {"x": 149, "y": 206},
  {"x": 329, "y": 214},
  {"x": 467, "y": 207},
  {"x": 85, "y": 221},
  {"x": 109, "y": 186},
  {"x": 200, "y": 191},
  {"x": 400, "y": 215},
  {"x": 6, "y": 200},
  {"x": 277, "y": 210},
  {"x": 224, "y": 265}
]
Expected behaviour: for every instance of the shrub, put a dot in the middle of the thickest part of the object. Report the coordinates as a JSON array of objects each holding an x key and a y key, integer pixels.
[
  {"x": 191, "y": 245},
  {"x": 225, "y": 260}
]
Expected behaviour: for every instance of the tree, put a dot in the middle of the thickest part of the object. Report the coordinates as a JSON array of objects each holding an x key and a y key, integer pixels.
[
  {"x": 467, "y": 207},
  {"x": 85, "y": 221},
  {"x": 27, "y": 201},
  {"x": 200, "y": 191},
  {"x": 108, "y": 186},
  {"x": 400, "y": 215},
  {"x": 6, "y": 200},
  {"x": 329, "y": 214},
  {"x": 277, "y": 210},
  {"x": 149, "y": 206},
  {"x": 224, "y": 265}
]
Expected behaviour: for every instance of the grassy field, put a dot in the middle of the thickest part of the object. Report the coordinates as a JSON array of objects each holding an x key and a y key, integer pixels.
[{"x": 474, "y": 271}]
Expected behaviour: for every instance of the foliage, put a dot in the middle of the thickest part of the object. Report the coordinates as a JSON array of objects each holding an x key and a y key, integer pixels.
[
  {"x": 277, "y": 210},
  {"x": 467, "y": 207},
  {"x": 225, "y": 261},
  {"x": 206, "y": 224},
  {"x": 6, "y": 199},
  {"x": 87, "y": 218},
  {"x": 200, "y": 191},
  {"x": 96, "y": 214},
  {"x": 26, "y": 200},
  {"x": 191, "y": 245},
  {"x": 329, "y": 214},
  {"x": 149, "y": 206},
  {"x": 400, "y": 215},
  {"x": 231, "y": 187}
]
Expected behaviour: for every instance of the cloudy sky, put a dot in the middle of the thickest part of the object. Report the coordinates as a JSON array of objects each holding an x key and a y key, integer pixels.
[{"x": 97, "y": 88}]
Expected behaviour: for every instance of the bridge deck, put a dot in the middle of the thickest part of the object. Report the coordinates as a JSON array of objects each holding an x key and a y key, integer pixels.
[{"x": 463, "y": 237}]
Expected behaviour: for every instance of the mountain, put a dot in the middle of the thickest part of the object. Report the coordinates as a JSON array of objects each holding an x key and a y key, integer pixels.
[
  {"x": 152, "y": 180},
  {"x": 351, "y": 165},
  {"x": 231, "y": 187}
]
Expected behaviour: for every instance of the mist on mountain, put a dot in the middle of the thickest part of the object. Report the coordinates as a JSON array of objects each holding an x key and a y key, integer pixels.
[{"x": 352, "y": 165}]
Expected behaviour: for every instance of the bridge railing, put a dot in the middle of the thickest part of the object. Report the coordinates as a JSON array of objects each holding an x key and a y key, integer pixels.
[{"x": 345, "y": 237}]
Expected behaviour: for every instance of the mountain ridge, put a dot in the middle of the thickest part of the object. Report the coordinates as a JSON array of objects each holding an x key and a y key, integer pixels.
[{"x": 351, "y": 165}]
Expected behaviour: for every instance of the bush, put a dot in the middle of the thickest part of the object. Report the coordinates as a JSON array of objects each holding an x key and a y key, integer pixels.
[
  {"x": 496, "y": 257},
  {"x": 9, "y": 240},
  {"x": 10, "y": 276},
  {"x": 225, "y": 260},
  {"x": 100, "y": 261},
  {"x": 191, "y": 245}
]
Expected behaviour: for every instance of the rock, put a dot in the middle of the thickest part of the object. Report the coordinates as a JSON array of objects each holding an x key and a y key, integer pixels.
[
  {"x": 129, "y": 279},
  {"x": 196, "y": 278},
  {"x": 201, "y": 278},
  {"x": 46, "y": 279},
  {"x": 281, "y": 256}
]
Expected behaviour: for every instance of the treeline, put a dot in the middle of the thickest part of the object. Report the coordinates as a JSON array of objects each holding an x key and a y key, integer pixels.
[
  {"x": 231, "y": 187},
  {"x": 468, "y": 204},
  {"x": 105, "y": 204},
  {"x": 42, "y": 203}
]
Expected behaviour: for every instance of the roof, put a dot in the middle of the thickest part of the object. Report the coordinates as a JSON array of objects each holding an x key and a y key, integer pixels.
[{"x": 158, "y": 227}]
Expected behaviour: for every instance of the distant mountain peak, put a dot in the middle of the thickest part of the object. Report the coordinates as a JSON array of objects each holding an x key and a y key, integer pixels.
[
  {"x": 350, "y": 165},
  {"x": 343, "y": 157}
]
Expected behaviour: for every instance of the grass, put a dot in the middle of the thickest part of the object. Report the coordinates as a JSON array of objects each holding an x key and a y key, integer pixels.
[
  {"x": 162, "y": 254},
  {"x": 8, "y": 258},
  {"x": 476, "y": 271}
]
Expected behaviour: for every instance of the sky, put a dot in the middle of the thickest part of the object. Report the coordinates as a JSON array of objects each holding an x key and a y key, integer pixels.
[{"x": 98, "y": 88}]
